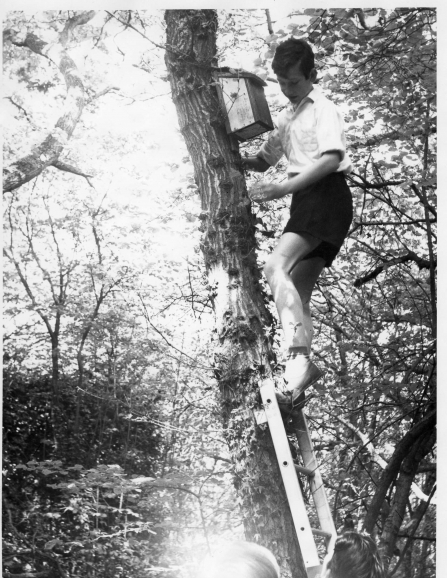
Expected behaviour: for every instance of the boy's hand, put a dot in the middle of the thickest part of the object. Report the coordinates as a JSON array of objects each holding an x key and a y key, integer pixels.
[{"x": 265, "y": 192}]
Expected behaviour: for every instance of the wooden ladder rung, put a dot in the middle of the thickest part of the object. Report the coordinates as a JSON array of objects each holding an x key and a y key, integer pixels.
[
  {"x": 309, "y": 458},
  {"x": 305, "y": 471},
  {"x": 305, "y": 533},
  {"x": 322, "y": 533},
  {"x": 289, "y": 475}
]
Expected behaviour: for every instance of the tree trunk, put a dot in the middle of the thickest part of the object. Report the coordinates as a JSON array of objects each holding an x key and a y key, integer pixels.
[
  {"x": 243, "y": 352},
  {"x": 402, "y": 492}
]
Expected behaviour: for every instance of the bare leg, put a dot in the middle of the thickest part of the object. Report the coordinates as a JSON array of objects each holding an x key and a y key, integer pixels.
[
  {"x": 289, "y": 251},
  {"x": 292, "y": 295},
  {"x": 304, "y": 276}
]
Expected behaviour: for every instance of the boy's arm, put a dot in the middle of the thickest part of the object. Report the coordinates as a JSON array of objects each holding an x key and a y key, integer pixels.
[
  {"x": 267, "y": 156},
  {"x": 325, "y": 165},
  {"x": 257, "y": 164}
]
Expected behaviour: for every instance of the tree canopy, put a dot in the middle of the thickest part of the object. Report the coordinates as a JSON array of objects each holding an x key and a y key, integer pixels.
[{"x": 128, "y": 448}]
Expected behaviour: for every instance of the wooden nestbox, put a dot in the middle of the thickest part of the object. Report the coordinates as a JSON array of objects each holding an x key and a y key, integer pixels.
[{"x": 243, "y": 102}]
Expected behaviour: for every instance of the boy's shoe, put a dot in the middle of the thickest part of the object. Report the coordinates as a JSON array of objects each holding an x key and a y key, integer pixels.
[
  {"x": 284, "y": 400},
  {"x": 299, "y": 401},
  {"x": 298, "y": 382},
  {"x": 287, "y": 405}
]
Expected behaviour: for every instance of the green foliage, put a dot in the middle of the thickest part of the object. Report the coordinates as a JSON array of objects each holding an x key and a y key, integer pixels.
[
  {"x": 75, "y": 517},
  {"x": 80, "y": 519}
]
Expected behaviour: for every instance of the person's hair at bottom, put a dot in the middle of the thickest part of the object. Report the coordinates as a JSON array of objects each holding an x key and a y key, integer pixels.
[
  {"x": 356, "y": 556},
  {"x": 242, "y": 560}
]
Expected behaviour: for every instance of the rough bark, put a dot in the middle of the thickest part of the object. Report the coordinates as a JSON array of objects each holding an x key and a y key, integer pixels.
[
  {"x": 408, "y": 548},
  {"x": 429, "y": 489},
  {"x": 427, "y": 424},
  {"x": 47, "y": 153},
  {"x": 243, "y": 354},
  {"x": 402, "y": 491}
]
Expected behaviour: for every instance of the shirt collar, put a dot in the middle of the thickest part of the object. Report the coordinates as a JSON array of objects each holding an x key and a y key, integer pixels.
[{"x": 313, "y": 95}]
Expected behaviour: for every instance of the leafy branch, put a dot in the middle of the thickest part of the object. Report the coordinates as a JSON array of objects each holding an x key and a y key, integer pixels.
[
  {"x": 47, "y": 153},
  {"x": 409, "y": 257}
]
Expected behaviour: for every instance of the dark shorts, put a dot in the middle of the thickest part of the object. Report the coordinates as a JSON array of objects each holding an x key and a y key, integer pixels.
[
  {"x": 323, "y": 210},
  {"x": 324, "y": 250}
]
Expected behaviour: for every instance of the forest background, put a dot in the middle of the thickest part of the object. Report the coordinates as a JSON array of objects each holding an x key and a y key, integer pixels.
[{"x": 115, "y": 457}]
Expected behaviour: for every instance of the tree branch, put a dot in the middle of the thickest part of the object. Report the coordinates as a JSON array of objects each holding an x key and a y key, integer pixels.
[
  {"x": 29, "y": 292},
  {"x": 360, "y": 224},
  {"x": 365, "y": 184},
  {"x": 47, "y": 153},
  {"x": 57, "y": 164},
  {"x": 393, "y": 135},
  {"x": 411, "y": 537},
  {"x": 78, "y": 19},
  {"x": 367, "y": 443},
  {"x": 410, "y": 256},
  {"x": 392, "y": 468},
  {"x": 423, "y": 200},
  {"x": 17, "y": 105},
  {"x": 101, "y": 93},
  {"x": 269, "y": 21}
]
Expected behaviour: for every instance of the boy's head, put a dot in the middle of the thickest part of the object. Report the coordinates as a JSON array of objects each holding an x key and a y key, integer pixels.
[
  {"x": 241, "y": 560},
  {"x": 290, "y": 52},
  {"x": 355, "y": 556},
  {"x": 293, "y": 65}
]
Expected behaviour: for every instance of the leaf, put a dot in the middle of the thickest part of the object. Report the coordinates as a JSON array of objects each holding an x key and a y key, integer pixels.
[
  {"x": 54, "y": 515},
  {"x": 50, "y": 545}
]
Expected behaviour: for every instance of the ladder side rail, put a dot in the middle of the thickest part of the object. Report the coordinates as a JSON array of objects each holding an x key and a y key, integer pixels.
[
  {"x": 316, "y": 482},
  {"x": 291, "y": 484}
]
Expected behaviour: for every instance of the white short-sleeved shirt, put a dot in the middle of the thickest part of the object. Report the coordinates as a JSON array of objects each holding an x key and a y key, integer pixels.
[{"x": 306, "y": 132}]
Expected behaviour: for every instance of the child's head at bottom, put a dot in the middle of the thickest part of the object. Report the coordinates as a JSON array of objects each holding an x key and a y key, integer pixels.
[
  {"x": 241, "y": 560},
  {"x": 355, "y": 556}
]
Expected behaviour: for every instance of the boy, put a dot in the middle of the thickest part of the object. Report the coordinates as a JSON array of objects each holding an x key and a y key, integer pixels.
[
  {"x": 355, "y": 555},
  {"x": 311, "y": 134}
]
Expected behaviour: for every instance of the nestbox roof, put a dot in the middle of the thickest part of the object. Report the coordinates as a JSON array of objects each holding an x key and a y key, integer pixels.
[{"x": 240, "y": 73}]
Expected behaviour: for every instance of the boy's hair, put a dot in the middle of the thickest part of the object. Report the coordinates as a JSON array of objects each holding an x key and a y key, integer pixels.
[
  {"x": 241, "y": 560},
  {"x": 289, "y": 53},
  {"x": 356, "y": 556}
]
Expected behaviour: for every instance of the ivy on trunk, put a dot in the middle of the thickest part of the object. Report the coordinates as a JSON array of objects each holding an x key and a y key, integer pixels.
[{"x": 243, "y": 354}]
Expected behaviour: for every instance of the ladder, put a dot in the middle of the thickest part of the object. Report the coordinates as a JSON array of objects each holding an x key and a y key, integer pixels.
[{"x": 272, "y": 415}]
